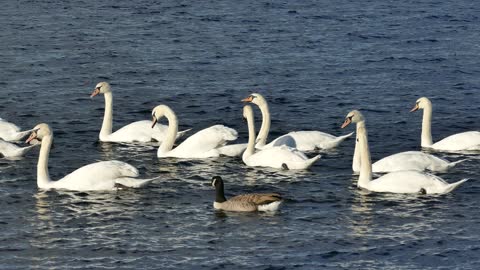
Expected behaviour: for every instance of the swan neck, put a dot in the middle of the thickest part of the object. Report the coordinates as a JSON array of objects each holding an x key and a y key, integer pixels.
[
  {"x": 356, "y": 155},
  {"x": 365, "y": 161},
  {"x": 427, "y": 126},
  {"x": 108, "y": 116},
  {"x": 43, "y": 176},
  {"x": 251, "y": 138},
  {"x": 265, "y": 127},
  {"x": 172, "y": 131}
]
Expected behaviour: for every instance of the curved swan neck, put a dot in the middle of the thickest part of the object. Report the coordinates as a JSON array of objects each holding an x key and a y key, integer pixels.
[
  {"x": 107, "y": 117},
  {"x": 365, "y": 162},
  {"x": 172, "y": 130},
  {"x": 43, "y": 177},
  {"x": 427, "y": 126},
  {"x": 251, "y": 138},
  {"x": 265, "y": 127},
  {"x": 356, "y": 155}
]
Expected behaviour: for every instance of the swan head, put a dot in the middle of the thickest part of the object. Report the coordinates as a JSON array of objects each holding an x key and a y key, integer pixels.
[
  {"x": 256, "y": 99},
  {"x": 247, "y": 112},
  {"x": 39, "y": 132},
  {"x": 101, "y": 88},
  {"x": 161, "y": 111},
  {"x": 421, "y": 103},
  {"x": 354, "y": 116}
]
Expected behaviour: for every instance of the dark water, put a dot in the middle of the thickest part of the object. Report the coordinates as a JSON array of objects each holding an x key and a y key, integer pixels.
[{"x": 313, "y": 60}]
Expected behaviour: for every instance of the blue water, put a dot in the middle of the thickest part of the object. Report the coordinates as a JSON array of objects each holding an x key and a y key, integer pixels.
[{"x": 314, "y": 61}]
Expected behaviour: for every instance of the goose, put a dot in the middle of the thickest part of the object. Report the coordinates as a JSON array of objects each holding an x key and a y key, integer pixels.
[
  {"x": 469, "y": 140},
  {"x": 394, "y": 182},
  {"x": 10, "y": 150},
  {"x": 403, "y": 161},
  {"x": 275, "y": 157},
  {"x": 103, "y": 175},
  {"x": 139, "y": 131},
  {"x": 11, "y": 132},
  {"x": 245, "y": 202},
  {"x": 203, "y": 144},
  {"x": 302, "y": 140}
]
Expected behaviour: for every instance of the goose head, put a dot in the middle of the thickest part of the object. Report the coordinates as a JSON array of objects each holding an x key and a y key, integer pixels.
[
  {"x": 255, "y": 98},
  {"x": 216, "y": 181},
  {"x": 354, "y": 116},
  {"x": 421, "y": 104},
  {"x": 39, "y": 132},
  {"x": 101, "y": 88}
]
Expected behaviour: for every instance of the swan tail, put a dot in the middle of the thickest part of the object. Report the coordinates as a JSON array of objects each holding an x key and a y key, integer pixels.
[
  {"x": 453, "y": 164},
  {"x": 133, "y": 182},
  {"x": 24, "y": 150},
  {"x": 312, "y": 160},
  {"x": 182, "y": 133},
  {"x": 342, "y": 138},
  {"x": 453, "y": 186},
  {"x": 20, "y": 135},
  {"x": 233, "y": 150}
]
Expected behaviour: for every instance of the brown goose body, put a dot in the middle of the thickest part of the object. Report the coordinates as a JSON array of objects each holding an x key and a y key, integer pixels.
[{"x": 245, "y": 202}]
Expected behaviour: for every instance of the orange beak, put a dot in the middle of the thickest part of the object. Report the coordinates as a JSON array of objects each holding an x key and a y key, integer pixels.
[
  {"x": 154, "y": 121},
  {"x": 31, "y": 137},
  {"x": 248, "y": 99},
  {"x": 95, "y": 92},
  {"x": 414, "y": 108},
  {"x": 346, "y": 123}
]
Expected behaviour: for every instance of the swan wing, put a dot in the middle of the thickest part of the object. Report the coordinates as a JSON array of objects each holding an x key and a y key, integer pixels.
[
  {"x": 469, "y": 140},
  {"x": 140, "y": 131},
  {"x": 409, "y": 182},
  {"x": 278, "y": 157},
  {"x": 97, "y": 176},
  {"x": 410, "y": 160},
  {"x": 203, "y": 142},
  {"x": 309, "y": 140}
]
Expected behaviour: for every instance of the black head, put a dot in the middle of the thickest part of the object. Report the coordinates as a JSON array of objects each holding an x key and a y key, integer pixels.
[{"x": 217, "y": 181}]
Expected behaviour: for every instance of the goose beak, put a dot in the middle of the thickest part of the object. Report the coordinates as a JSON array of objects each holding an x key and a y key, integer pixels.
[
  {"x": 31, "y": 137},
  {"x": 248, "y": 99},
  {"x": 346, "y": 123},
  {"x": 154, "y": 121},
  {"x": 95, "y": 92},
  {"x": 414, "y": 108}
]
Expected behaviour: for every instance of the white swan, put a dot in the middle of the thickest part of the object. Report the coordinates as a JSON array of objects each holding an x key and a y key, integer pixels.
[
  {"x": 275, "y": 157},
  {"x": 302, "y": 140},
  {"x": 203, "y": 144},
  {"x": 140, "y": 131},
  {"x": 404, "y": 161},
  {"x": 464, "y": 141},
  {"x": 10, "y": 150},
  {"x": 394, "y": 182},
  {"x": 103, "y": 175},
  {"x": 11, "y": 132}
]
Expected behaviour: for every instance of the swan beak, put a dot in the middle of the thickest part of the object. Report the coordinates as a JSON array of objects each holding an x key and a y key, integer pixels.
[
  {"x": 248, "y": 99},
  {"x": 414, "y": 108},
  {"x": 95, "y": 92},
  {"x": 154, "y": 121},
  {"x": 346, "y": 123},
  {"x": 31, "y": 137}
]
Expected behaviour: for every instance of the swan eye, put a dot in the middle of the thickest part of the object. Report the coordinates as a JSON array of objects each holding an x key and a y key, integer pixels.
[
  {"x": 252, "y": 97},
  {"x": 98, "y": 88},
  {"x": 351, "y": 116}
]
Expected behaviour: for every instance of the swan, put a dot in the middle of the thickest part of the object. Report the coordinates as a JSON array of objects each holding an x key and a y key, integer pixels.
[
  {"x": 403, "y": 161},
  {"x": 275, "y": 157},
  {"x": 394, "y": 182},
  {"x": 302, "y": 140},
  {"x": 10, "y": 150},
  {"x": 11, "y": 132},
  {"x": 139, "y": 131},
  {"x": 464, "y": 141},
  {"x": 203, "y": 144},
  {"x": 246, "y": 202},
  {"x": 103, "y": 175}
]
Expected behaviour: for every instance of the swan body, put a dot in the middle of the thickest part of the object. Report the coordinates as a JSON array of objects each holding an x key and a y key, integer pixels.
[
  {"x": 140, "y": 131},
  {"x": 203, "y": 144},
  {"x": 275, "y": 157},
  {"x": 302, "y": 140},
  {"x": 412, "y": 161},
  {"x": 245, "y": 202},
  {"x": 394, "y": 182},
  {"x": 103, "y": 175},
  {"x": 11, "y": 132},
  {"x": 232, "y": 150},
  {"x": 465, "y": 141}
]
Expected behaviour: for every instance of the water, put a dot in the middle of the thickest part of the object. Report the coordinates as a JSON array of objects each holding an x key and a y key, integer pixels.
[{"x": 314, "y": 61}]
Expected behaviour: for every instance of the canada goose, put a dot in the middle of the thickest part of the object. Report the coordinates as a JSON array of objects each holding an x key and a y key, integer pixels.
[{"x": 245, "y": 202}]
